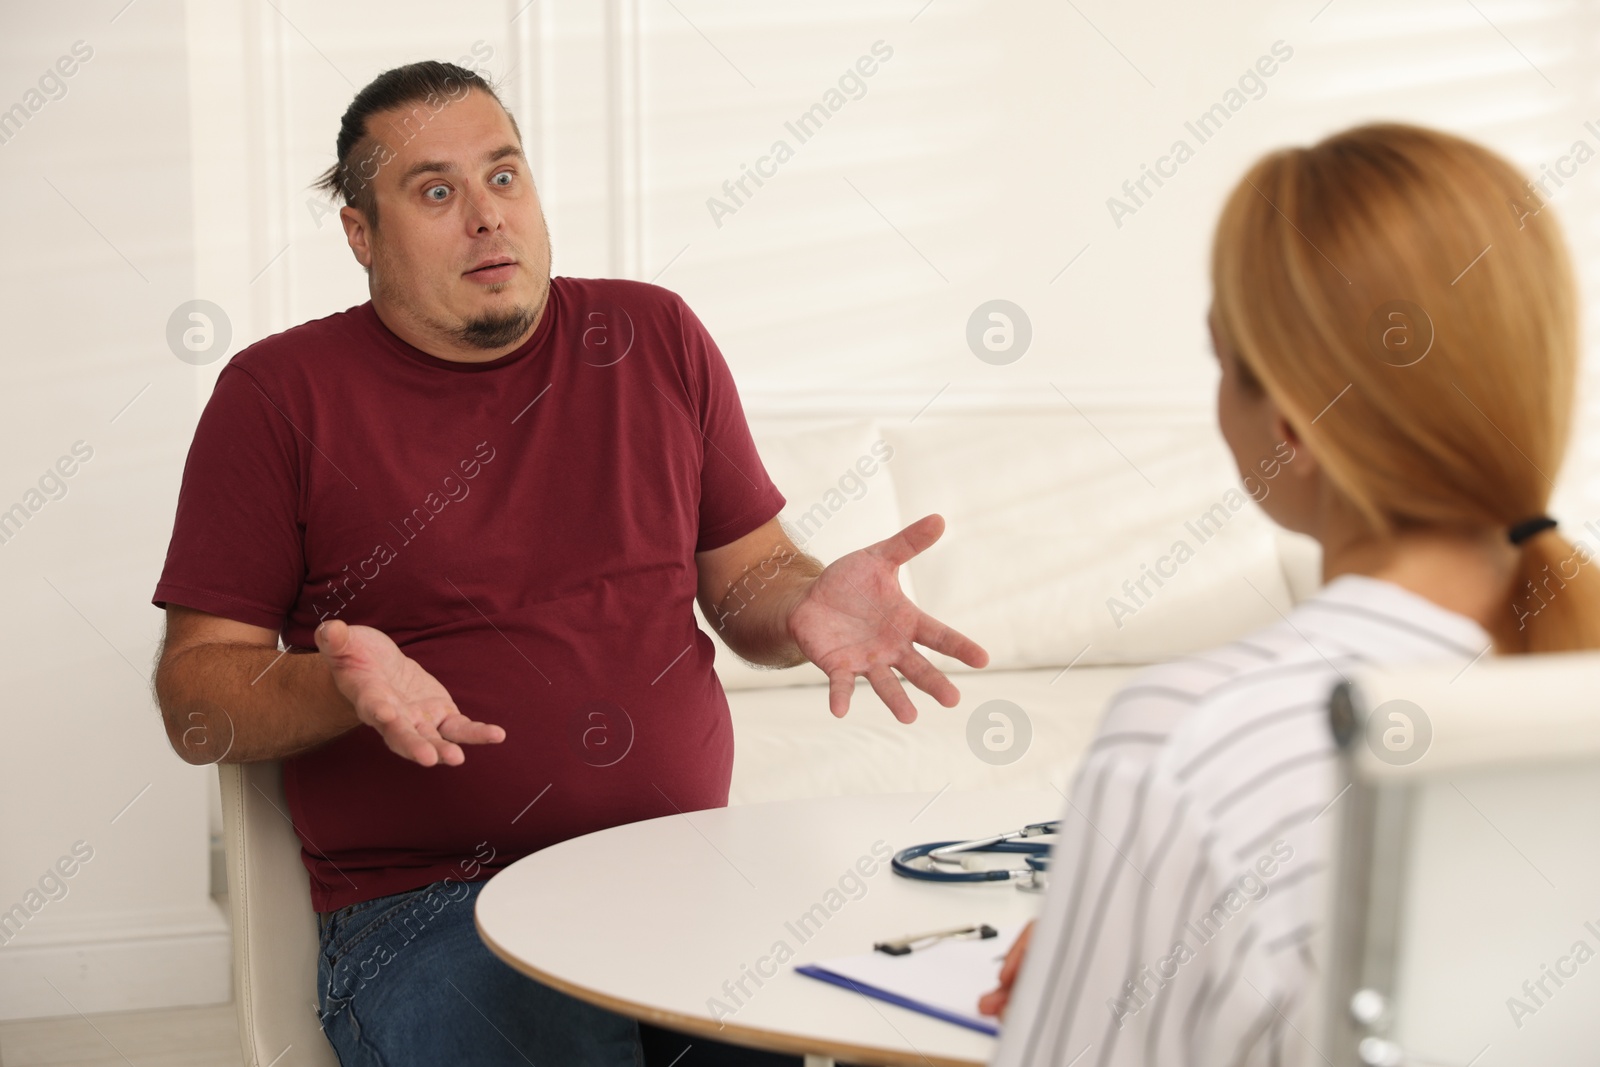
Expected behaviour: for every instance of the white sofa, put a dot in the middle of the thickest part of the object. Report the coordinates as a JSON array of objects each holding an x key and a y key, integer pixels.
[{"x": 1048, "y": 512}]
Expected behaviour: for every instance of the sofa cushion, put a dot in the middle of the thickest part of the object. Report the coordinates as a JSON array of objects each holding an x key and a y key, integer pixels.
[{"x": 1112, "y": 541}]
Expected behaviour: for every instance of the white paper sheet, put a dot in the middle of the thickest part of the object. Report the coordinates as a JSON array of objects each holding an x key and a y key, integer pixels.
[{"x": 949, "y": 975}]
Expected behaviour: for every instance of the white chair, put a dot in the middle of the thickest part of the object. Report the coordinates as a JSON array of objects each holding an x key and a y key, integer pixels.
[
  {"x": 275, "y": 938},
  {"x": 1466, "y": 879}
]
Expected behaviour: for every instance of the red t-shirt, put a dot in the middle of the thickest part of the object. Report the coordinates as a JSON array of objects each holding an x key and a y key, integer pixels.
[{"x": 525, "y": 529}]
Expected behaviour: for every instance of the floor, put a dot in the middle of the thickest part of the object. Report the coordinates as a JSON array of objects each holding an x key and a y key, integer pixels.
[
  {"x": 176, "y": 1037},
  {"x": 173, "y": 1037}
]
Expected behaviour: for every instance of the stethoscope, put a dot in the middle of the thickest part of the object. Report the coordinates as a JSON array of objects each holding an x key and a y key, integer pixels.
[{"x": 950, "y": 861}]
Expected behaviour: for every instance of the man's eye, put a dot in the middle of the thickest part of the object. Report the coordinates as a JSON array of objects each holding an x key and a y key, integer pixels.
[
  {"x": 443, "y": 190},
  {"x": 506, "y": 174}
]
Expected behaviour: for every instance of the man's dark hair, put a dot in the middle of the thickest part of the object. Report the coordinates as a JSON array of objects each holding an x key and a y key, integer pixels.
[{"x": 426, "y": 87}]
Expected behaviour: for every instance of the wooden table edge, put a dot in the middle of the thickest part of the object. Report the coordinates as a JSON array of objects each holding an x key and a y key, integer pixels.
[{"x": 750, "y": 1036}]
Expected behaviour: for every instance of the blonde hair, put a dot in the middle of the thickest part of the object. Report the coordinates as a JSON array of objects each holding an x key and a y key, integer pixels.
[{"x": 1408, "y": 304}]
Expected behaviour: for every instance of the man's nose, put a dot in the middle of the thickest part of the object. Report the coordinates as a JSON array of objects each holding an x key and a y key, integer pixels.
[{"x": 483, "y": 214}]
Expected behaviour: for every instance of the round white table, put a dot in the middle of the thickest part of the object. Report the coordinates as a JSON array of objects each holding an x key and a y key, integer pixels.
[{"x": 677, "y": 921}]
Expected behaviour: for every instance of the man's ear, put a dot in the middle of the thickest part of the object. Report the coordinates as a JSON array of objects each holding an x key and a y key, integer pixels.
[{"x": 358, "y": 233}]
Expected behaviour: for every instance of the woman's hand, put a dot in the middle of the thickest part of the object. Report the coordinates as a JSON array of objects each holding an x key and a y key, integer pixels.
[{"x": 994, "y": 1001}]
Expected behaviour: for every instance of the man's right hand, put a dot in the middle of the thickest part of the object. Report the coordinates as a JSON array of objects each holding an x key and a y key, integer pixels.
[{"x": 396, "y": 697}]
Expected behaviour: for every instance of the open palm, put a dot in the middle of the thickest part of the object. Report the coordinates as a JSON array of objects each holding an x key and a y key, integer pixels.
[
  {"x": 854, "y": 620},
  {"x": 394, "y": 695}
]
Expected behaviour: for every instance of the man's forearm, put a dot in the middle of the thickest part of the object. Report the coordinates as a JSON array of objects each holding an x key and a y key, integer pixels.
[
  {"x": 752, "y": 617},
  {"x": 238, "y": 703}
]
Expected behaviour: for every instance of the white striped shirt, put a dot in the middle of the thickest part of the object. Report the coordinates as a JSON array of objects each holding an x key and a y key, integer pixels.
[{"x": 1183, "y": 920}]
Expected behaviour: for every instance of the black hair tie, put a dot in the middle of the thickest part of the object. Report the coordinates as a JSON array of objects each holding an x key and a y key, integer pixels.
[{"x": 1530, "y": 528}]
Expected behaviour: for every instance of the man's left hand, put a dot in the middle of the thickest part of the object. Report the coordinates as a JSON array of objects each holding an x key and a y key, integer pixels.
[{"x": 853, "y": 619}]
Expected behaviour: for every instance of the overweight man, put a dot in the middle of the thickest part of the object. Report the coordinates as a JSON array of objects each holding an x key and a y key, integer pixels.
[{"x": 477, "y": 510}]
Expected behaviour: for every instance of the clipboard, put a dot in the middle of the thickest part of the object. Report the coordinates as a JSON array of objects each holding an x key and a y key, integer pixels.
[{"x": 943, "y": 981}]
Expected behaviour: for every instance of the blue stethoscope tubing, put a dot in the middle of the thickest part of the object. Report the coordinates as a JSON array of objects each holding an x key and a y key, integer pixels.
[{"x": 1036, "y": 853}]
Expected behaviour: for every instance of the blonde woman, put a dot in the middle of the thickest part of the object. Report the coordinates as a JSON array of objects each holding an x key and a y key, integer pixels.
[{"x": 1395, "y": 306}]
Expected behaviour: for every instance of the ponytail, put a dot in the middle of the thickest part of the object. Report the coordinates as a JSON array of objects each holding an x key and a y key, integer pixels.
[{"x": 1554, "y": 598}]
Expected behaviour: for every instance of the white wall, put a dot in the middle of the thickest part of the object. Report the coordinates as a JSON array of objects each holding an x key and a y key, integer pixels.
[
  {"x": 98, "y": 250},
  {"x": 976, "y": 166}
]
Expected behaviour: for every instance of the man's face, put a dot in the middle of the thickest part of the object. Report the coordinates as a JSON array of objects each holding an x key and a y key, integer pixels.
[{"x": 454, "y": 193}]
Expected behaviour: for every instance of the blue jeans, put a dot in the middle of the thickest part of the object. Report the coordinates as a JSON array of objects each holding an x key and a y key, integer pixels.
[{"x": 404, "y": 979}]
